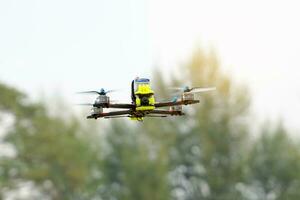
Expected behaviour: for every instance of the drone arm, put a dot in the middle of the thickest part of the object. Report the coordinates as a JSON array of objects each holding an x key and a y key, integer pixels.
[
  {"x": 167, "y": 112},
  {"x": 109, "y": 105},
  {"x": 110, "y": 114},
  {"x": 123, "y": 105},
  {"x": 177, "y": 103}
]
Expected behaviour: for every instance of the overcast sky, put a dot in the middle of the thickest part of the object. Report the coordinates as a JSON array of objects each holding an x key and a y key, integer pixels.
[{"x": 69, "y": 45}]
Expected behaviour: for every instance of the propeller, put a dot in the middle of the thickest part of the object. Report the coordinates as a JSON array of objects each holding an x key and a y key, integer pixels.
[
  {"x": 194, "y": 89},
  {"x": 102, "y": 91},
  {"x": 186, "y": 89},
  {"x": 93, "y": 104}
]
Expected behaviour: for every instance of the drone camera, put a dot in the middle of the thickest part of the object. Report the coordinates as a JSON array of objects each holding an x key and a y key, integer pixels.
[{"x": 144, "y": 101}]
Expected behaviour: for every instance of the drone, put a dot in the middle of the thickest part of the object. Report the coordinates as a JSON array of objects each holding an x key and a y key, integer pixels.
[{"x": 143, "y": 102}]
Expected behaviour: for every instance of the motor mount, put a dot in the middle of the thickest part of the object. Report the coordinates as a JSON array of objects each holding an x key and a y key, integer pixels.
[
  {"x": 102, "y": 100},
  {"x": 186, "y": 96}
]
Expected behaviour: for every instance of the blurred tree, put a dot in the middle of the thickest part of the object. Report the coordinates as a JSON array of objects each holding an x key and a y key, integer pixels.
[
  {"x": 132, "y": 169},
  {"x": 273, "y": 166},
  {"x": 206, "y": 147},
  {"x": 56, "y": 154},
  {"x": 15, "y": 102},
  {"x": 221, "y": 126}
]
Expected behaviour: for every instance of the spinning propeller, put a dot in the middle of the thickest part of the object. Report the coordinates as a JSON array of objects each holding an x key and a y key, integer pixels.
[
  {"x": 186, "y": 89},
  {"x": 102, "y": 91},
  {"x": 102, "y": 98}
]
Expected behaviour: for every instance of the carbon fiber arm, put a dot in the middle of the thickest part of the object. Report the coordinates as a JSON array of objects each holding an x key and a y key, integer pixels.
[
  {"x": 166, "y": 112},
  {"x": 116, "y": 105},
  {"x": 109, "y": 114},
  {"x": 177, "y": 103},
  {"x": 121, "y": 105}
]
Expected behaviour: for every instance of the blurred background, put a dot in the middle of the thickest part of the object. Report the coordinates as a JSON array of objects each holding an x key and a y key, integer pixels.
[{"x": 240, "y": 142}]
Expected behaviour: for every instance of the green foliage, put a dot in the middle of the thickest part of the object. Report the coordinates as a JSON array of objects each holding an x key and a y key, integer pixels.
[
  {"x": 132, "y": 168},
  {"x": 54, "y": 153},
  {"x": 273, "y": 165},
  {"x": 206, "y": 148},
  {"x": 219, "y": 126},
  {"x": 10, "y": 99},
  {"x": 15, "y": 102}
]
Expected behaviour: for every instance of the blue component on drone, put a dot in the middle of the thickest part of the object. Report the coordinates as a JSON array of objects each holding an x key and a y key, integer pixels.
[{"x": 142, "y": 80}]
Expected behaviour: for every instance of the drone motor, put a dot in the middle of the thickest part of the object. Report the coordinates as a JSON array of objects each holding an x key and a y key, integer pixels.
[
  {"x": 102, "y": 99},
  {"x": 187, "y": 96}
]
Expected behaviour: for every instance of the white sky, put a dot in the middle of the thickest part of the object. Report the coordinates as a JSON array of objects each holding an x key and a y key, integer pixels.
[{"x": 71, "y": 45}]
